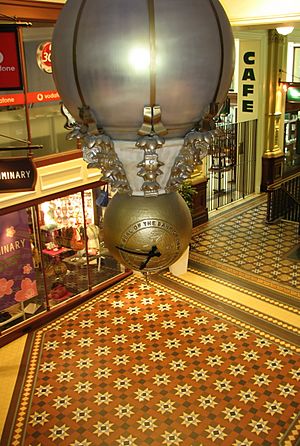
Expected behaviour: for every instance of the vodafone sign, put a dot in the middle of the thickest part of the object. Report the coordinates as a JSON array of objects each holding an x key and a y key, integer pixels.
[
  {"x": 32, "y": 98},
  {"x": 10, "y": 72}
]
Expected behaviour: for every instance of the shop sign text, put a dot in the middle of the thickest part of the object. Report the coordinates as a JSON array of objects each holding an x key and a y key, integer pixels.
[
  {"x": 32, "y": 98},
  {"x": 249, "y": 86},
  {"x": 17, "y": 174},
  {"x": 249, "y": 77}
]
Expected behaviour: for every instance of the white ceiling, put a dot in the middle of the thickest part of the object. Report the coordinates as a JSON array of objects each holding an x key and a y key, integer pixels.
[{"x": 262, "y": 12}]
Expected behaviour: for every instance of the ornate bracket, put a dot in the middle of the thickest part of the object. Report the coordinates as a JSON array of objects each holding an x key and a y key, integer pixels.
[
  {"x": 98, "y": 151},
  {"x": 196, "y": 146},
  {"x": 187, "y": 158},
  {"x": 150, "y": 166},
  {"x": 152, "y": 122}
]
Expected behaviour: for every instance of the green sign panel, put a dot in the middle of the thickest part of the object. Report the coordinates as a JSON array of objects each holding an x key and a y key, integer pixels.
[{"x": 293, "y": 94}]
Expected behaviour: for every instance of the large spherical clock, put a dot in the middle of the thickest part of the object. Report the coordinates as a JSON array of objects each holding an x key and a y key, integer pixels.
[{"x": 147, "y": 235}]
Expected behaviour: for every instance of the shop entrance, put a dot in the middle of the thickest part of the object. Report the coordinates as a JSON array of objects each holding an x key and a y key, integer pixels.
[{"x": 230, "y": 166}]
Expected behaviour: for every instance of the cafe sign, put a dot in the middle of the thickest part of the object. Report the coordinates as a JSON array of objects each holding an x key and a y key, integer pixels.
[
  {"x": 249, "y": 82},
  {"x": 17, "y": 174}
]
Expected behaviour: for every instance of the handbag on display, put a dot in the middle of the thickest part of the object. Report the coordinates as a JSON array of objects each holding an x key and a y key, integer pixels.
[
  {"x": 77, "y": 245},
  {"x": 59, "y": 291},
  {"x": 103, "y": 198},
  {"x": 77, "y": 242}
]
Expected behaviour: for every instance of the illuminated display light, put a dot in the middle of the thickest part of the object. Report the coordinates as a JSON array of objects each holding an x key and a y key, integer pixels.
[{"x": 293, "y": 93}]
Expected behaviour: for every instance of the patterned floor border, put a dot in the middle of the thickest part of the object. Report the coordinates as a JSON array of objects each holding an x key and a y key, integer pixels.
[
  {"x": 273, "y": 329},
  {"x": 292, "y": 436},
  {"x": 250, "y": 277},
  {"x": 280, "y": 300}
]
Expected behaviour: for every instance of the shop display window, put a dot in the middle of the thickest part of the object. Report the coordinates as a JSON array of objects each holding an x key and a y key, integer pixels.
[
  {"x": 51, "y": 252},
  {"x": 22, "y": 294},
  {"x": 62, "y": 231}
]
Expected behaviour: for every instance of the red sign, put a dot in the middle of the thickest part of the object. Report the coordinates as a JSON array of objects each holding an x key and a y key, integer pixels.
[
  {"x": 43, "y": 57},
  {"x": 43, "y": 96},
  {"x": 33, "y": 97},
  {"x": 10, "y": 71},
  {"x": 12, "y": 99}
]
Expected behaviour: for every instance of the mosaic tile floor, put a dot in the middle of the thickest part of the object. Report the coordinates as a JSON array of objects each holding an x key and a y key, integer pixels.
[
  {"x": 243, "y": 244},
  {"x": 145, "y": 365}
]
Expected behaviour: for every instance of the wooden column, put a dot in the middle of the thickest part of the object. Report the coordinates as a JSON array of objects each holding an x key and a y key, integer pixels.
[
  {"x": 199, "y": 212},
  {"x": 272, "y": 160}
]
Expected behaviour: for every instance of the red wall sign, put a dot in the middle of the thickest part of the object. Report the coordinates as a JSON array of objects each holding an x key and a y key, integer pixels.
[
  {"x": 32, "y": 97},
  {"x": 42, "y": 96},
  {"x": 43, "y": 57},
  {"x": 10, "y": 71}
]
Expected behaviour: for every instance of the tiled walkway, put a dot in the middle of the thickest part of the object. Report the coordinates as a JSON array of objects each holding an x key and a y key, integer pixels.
[
  {"x": 210, "y": 358},
  {"x": 144, "y": 365},
  {"x": 241, "y": 243}
]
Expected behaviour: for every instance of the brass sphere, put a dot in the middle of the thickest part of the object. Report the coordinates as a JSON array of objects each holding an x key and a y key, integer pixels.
[{"x": 147, "y": 234}]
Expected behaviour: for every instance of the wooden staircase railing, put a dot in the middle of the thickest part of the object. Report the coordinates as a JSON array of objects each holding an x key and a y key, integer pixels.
[{"x": 284, "y": 200}]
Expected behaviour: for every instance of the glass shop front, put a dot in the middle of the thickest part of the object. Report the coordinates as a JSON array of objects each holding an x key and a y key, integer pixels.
[{"x": 51, "y": 252}]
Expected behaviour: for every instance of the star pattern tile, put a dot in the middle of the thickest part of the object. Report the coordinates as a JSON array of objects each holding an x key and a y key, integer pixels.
[
  {"x": 143, "y": 365},
  {"x": 245, "y": 241}
]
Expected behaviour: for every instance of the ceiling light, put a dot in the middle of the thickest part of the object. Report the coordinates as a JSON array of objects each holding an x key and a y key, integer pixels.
[{"x": 285, "y": 30}]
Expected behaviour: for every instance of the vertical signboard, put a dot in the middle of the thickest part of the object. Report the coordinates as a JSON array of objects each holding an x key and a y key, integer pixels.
[
  {"x": 248, "y": 80},
  {"x": 10, "y": 67},
  {"x": 17, "y": 275}
]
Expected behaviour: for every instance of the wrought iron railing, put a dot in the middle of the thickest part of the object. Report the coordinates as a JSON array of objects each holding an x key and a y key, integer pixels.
[
  {"x": 284, "y": 200},
  {"x": 231, "y": 164}
]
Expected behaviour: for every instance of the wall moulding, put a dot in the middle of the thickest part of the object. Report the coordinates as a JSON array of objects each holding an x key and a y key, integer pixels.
[
  {"x": 266, "y": 22},
  {"x": 262, "y": 12},
  {"x": 54, "y": 178},
  {"x": 39, "y": 11}
]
